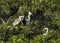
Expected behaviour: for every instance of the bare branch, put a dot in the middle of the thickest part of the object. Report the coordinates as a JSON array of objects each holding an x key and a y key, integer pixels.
[{"x": 2, "y": 21}]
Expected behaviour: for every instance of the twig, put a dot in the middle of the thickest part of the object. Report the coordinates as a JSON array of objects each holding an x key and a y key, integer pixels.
[{"x": 2, "y": 21}]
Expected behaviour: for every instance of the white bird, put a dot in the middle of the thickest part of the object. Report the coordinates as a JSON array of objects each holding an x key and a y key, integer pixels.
[
  {"x": 29, "y": 18},
  {"x": 46, "y": 31},
  {"x": 18, "y": 20},
  {"x": 21, "y": 18}
]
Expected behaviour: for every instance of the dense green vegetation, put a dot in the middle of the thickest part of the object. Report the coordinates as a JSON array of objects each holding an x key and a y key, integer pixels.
[{"x": 46, "y": 13}]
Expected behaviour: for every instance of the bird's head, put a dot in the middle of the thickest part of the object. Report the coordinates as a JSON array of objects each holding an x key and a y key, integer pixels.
[
  {"x": 29, "y": 13},
  {"x": 21, "y": 18}
]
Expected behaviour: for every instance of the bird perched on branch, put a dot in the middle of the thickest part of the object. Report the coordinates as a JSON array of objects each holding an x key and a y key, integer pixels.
[
  {"x": 26, "y": 21},
  {"x": 18, "y": 20},
  {"x": 46, "y": 31},
  {"x": 29, "y": 18},
  {"x": 23, "y": 20}
]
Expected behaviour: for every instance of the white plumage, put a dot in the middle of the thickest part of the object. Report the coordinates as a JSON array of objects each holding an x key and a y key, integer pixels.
[
  {"x": 46, "y": 31},
  {"x": 18, "y": 20},
  {"x": 29, "y": 18}
]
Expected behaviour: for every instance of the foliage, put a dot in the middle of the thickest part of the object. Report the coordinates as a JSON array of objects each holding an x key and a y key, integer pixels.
[{"x": 46, "y": 13}]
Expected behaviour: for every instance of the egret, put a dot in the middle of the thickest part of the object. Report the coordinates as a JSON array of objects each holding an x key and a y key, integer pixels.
[
  {"x": 18, "y": 20},
  {"x": 29, "y": 18},
  {"x": 46, "y": 31}
]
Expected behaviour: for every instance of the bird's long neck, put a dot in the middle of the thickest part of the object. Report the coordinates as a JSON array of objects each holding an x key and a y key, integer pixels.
[{"x": 29, "y": 17}]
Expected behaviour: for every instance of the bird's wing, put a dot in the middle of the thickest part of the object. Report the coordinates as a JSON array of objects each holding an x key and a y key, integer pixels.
[{"x": 16, "y": 22}]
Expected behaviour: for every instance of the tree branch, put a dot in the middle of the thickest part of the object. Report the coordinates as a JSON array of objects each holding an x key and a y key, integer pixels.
[{"x": 2, "y": 21}]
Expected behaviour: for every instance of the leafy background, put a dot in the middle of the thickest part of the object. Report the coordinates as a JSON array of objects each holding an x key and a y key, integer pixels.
[{"x": 46, "y": 13}]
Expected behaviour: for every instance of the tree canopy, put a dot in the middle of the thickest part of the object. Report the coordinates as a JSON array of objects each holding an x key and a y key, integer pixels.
[{"x": 46, "y": 13}]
